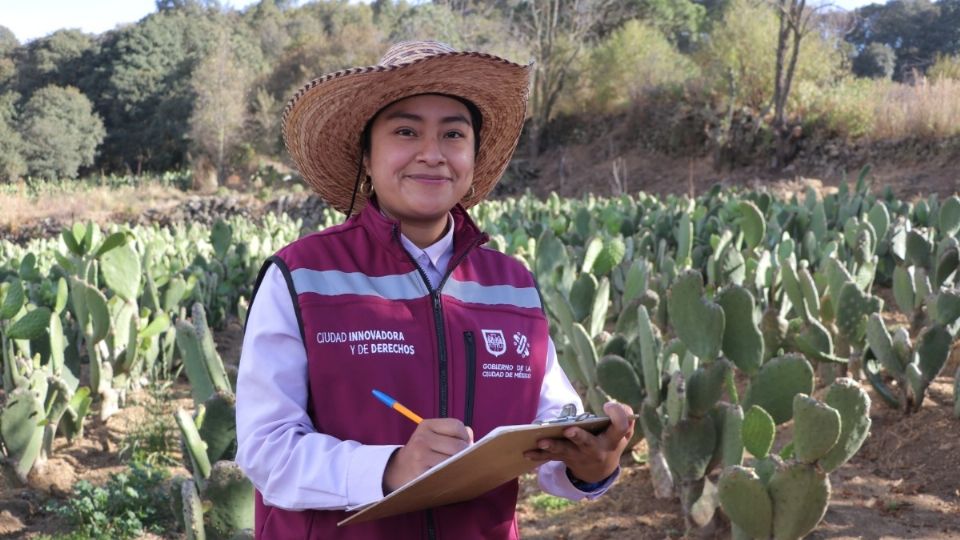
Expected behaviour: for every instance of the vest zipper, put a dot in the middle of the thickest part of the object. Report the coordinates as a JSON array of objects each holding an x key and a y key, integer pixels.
[
  {"x": 471, "y": 349},
  {"x": 441, "y": 341}
]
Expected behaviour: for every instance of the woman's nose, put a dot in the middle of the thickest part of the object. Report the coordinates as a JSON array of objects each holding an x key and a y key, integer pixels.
[{"x": 430, "y": 152}]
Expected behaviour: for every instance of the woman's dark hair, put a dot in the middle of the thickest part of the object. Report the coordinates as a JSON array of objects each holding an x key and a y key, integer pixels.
[{"x": 476, "y": 121}]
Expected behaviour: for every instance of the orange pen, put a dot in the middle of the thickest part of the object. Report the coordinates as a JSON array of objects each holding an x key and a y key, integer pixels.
[{"x": 393, "y": 404}]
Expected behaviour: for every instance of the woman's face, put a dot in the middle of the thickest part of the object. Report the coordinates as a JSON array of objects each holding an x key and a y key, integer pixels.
[{"x": 421, "y": 157}]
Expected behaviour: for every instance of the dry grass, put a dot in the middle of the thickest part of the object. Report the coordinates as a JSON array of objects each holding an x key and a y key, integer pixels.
[
  {"x": 96, "y": 203},
  {"x": 926, "y": 109}
]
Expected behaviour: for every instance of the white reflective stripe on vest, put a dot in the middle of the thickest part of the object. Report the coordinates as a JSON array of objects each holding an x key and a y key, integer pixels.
[
  {"x": 335, "y": 283},
  {"x": 409, "y": 286},
  {"x": 474, "y": 293}
]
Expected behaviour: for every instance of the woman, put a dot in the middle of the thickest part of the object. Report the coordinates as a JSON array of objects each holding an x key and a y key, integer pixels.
[{"x": 404, "y": 298}]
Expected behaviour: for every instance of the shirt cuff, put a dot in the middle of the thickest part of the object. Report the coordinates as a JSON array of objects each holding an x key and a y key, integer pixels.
[
  {"x": 591, "y": 488},
  {"x": 363, "y": 484}
]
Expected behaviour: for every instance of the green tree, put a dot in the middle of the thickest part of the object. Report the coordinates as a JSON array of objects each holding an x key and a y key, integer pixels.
[
  {"x": 60, "y": 132},
  {"x": 146, "y": 98},
  {"x": 917, "y": 30},
  {"x": 12, "y": 165},
  {"x": 877, "y": 61},
  {"x": 64, "y": 58},
  {"x": 8, "y": 40}
]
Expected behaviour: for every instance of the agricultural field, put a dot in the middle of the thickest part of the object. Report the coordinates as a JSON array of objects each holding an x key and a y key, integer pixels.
[{"x": 792, "y": 359}]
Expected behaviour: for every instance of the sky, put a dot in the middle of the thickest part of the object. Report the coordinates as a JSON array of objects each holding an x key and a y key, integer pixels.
[{"x": 30, "y": 19}]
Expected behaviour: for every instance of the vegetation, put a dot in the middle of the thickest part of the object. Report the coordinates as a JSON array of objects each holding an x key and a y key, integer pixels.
[
  {"x": 130, "y": 504},
  {"x": 195, "y": 86}
]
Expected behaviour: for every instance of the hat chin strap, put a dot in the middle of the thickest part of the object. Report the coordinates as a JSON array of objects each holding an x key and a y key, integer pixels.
[{"x": 356, "y": 186}]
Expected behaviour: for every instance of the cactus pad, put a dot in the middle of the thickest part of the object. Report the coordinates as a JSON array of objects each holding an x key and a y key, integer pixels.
[
  {"x": 742, "y": 340},
  {"x": 799, "y": 494},
  {"x": 777, "y": 382},
  {"x": 853, "y": 404},
  {"x": 696, "y": 321},
  {"x": 759, "y": 431},
  {"x": 19, "y": 429},
  {"x": 231, "y": 495},
  {"x": 705, "y": 386},
  {"x": 746, "y": 502},
  {"x": 816, "y": 428},
  {"x": 619, "y": 379},
  {"x": 688, "y": 447}
]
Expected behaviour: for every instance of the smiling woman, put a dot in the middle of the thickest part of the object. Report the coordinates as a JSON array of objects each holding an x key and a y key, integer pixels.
[
  {"x": 420, "y": 163},
  {"x": 402, "y": 298}
]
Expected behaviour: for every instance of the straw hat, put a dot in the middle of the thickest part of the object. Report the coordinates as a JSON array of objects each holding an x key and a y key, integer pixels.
[{"x": 323, "y": 122}]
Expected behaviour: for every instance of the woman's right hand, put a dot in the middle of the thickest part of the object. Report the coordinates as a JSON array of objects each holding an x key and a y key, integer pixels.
[{"x": 433, "y": 441}]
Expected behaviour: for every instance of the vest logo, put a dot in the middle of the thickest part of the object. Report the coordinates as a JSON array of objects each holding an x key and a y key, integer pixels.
[
  {"x": 522, "y": 344},
  {"x": 494, "y": 341}
]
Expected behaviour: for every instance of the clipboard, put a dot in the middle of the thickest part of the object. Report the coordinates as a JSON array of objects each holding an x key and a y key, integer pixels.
[{"x": 493, "y": 460}]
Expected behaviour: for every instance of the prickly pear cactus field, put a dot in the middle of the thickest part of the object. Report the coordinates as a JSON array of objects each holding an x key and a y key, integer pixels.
[{"x": 792, "y": 362}]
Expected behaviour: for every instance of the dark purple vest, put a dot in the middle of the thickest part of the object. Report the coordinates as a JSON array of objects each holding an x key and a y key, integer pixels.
[{"x": 475, "y": 350}]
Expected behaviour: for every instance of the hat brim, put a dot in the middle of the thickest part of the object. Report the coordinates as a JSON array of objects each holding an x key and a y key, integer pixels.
[{"x": 323, "y": 122}]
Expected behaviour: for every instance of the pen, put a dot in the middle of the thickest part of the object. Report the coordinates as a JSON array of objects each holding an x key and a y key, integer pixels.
[{"x": 392, "y": 403}]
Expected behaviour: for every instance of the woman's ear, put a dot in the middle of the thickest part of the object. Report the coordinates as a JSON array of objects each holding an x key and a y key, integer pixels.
[{"x": 366, "y": 163}]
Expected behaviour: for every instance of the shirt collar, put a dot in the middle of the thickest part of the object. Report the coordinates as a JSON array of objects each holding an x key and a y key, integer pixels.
[{"x": 434, "y": 251}]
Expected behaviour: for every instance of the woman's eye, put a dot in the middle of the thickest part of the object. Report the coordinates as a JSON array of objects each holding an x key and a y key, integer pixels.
[
  {"x": 455, "y": 135},
  {"x": 406, "y": 132}
]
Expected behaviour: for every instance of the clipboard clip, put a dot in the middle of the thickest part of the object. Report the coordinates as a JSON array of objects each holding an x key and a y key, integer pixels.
[{"x": 568, "y": 414}]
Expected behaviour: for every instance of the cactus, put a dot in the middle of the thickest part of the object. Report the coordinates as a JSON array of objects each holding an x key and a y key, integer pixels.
[
  {"x": 788, "y": 500},
  {"x": 697, "y": 322},
  {"x": 913, "y": 368},
  {"x": 201, "y": 362},
  {"x": 209, "y": 441}
]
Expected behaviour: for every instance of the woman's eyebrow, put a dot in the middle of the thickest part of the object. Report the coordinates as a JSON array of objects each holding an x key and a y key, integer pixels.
[{"x": 457, "y": 118}]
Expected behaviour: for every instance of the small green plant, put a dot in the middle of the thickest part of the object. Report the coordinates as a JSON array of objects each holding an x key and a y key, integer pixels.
[
  {"x": 130, "y": 504},
  {"x": 549, "y": 503},
  {"x": 154, "y": 441}
]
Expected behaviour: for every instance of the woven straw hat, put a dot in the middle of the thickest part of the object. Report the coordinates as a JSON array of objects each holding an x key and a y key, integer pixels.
[{"x": 323, "y": 122}]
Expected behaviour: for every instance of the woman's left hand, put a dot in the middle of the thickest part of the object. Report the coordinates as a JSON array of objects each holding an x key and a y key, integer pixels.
[{"x": 591, "y": 458}]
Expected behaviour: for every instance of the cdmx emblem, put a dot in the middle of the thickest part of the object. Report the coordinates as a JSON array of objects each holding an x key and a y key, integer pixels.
[{"x": 494, "y": 341}]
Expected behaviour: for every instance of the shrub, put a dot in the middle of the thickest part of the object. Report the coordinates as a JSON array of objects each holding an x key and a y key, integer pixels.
[
  {"x": 744, "y": 47},
  {"x": 126, "y": 507},
  {"x": 945, "y": 67},
  {"x": 632, "y": 61}
]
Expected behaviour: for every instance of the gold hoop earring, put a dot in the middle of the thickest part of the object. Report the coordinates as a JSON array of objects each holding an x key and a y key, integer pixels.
[
  {"x": 366, "y": 187},
  {"x": 473, "y": 191}
]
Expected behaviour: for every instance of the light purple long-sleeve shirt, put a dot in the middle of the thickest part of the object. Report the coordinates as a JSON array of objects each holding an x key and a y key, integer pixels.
[{"x": 296, "y": 468}]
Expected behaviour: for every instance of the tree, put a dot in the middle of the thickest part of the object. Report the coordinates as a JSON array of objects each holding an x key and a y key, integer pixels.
[
  {"x": 796, "y": 22},
  {"x": 8, "y": 40},
  {"x": 557, "y": 31},
  {"x": 145, "y": 97},
  {"x": 64, "y": 58},
  {"x": 12, "y": 165},
  {"x": 60, "y": 132},
  {"x": 219, "y": 112},
  {"x": 877, "y": 61},
  {"x": 917, "y": 30}
]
